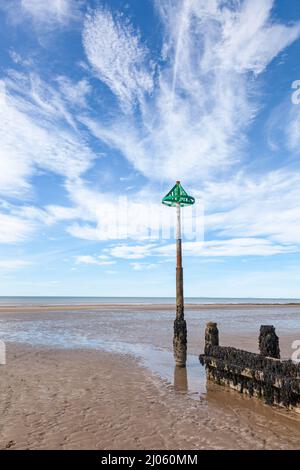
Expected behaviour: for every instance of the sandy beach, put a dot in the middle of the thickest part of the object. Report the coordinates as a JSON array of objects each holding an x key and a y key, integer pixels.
[{"x": 82, "y": 378}]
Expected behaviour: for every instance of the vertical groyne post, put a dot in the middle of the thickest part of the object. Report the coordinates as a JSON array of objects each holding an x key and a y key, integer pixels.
[
  {"x": 268, "y": 342},
  {"x": 211, "y": 336},
  {"x": 178, "y": 198},
  {"x": 211, "y": 340}
]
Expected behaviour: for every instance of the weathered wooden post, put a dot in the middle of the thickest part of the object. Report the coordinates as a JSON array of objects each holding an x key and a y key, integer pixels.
[
  {"x": 268, "y": 342},
  {"x": 178, "y": 198}
]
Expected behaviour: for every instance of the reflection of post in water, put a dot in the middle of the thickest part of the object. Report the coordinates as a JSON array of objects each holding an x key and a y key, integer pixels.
[{"x": 180, "y": 379}]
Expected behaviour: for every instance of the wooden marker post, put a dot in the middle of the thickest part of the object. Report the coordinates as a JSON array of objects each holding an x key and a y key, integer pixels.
[{"x": 178, "y": 198}]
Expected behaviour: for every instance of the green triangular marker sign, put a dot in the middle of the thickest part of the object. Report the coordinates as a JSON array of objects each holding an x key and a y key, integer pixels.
[{"x": 178, "y": 195}]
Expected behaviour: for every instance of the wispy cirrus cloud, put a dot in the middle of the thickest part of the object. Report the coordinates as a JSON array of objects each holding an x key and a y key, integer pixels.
[
  {"x": 74, "y": 93},
  {"x": 117, "y": 56},
  {"x": 12, "y": 264},
  {"x": 130, "y": 251},
  {"x": 196, "y": 119},
  {"x": 189, "y": 118},
  {"x": 143, "y": 266},
  {"x": 42, "y": 13},
  {"x": 231, "y": 247},
  {"x": 265, "y": 206},
  {"x": 284, "y": 134},
  {"x": 292, "y": 130},
  {"x": 96, "y": 260},
  {"x": 15, "y": 229},
  {"x": 37, "y": 132},
  {"x": 261, "y": 216},
  {"x": 244, "y": 246}
]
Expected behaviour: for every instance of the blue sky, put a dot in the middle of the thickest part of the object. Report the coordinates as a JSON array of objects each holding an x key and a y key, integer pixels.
[{"x": 105, "y": 104}]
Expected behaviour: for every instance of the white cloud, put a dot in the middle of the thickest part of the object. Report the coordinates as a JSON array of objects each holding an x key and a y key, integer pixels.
[
  {"x": 210, "y": 248},
  {"x": 19, "y": 59},
  {"x": 283, "y": 135},
  {"x": 131, "y": 252},
  {"x": 43, "y": 16},
  {"x": 104, "y": 216},
  {"x": 18, "y": 223},
  {"x": 51, "y": 12},
  {"x": 245, "y": 208},
  {"x": 232, "y": 247},
  {"x": 74, "y": 93},
  {"x": 143, "y": 266},
  {"x": 97, "y": 260},
  {"x": 191, "y": 120},
  {"x": 36, "y": 132},
  {"x": 292, "y": 129},
  {"x": 195, "y": 121},
  {"x": 251, "y": 39},
  {"x": 117, "y": 56},
  {"x": 104, "y": 257},
  {"x": 15, "y": 229},
  {"x": 263, "y": 207},
  {"x": 12, "y": 264}
]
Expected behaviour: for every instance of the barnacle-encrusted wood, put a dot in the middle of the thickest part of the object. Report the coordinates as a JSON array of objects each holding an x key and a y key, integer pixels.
[
  {"x": 275, "y": 381},
  {"x": 268, "y": 342}
]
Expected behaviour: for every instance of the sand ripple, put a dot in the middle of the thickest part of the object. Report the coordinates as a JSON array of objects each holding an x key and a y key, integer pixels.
[{"x": 85, "y": 399}]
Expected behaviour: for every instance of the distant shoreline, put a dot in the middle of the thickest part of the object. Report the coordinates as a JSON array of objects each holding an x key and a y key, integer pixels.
[{"x": 136, "y": 306}]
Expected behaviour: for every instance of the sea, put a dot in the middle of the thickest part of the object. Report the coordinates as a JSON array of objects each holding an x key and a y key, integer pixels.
[{"x": 66, "y": 300}]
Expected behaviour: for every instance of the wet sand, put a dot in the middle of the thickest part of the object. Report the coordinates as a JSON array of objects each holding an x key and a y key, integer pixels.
[
  {"x": 103, "y": 378},
  {"x": 85, "y": 399}
]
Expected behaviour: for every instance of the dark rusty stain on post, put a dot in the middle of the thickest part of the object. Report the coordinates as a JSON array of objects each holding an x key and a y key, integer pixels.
[
  {"x": 179, "y": 282},
  {"x": 180, "y": 332}
]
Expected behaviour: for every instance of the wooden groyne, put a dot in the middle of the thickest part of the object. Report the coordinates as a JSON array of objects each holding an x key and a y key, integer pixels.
[{"x": 263, "y": 375}]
